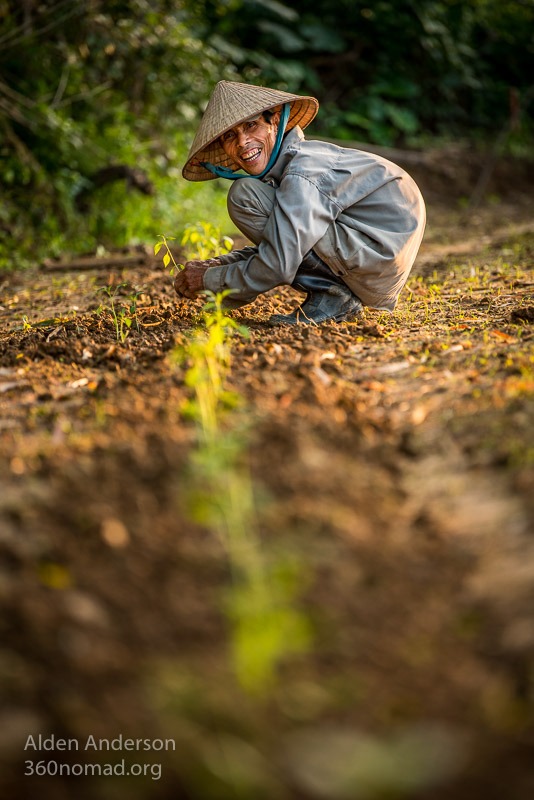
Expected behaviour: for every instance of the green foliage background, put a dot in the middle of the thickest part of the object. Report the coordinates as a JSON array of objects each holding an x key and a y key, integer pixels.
[{"x": 89, "y": 83}]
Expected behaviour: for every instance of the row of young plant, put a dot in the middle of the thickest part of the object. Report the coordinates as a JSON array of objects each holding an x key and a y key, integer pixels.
[{"x": 266, "y": 625}]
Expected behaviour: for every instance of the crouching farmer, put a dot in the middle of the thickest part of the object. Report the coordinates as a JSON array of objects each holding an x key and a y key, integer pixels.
[{"x": 342, "y": 225}]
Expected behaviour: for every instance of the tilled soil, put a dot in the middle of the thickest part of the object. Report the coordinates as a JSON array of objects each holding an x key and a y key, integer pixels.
[{"x": 392, "y": 460}]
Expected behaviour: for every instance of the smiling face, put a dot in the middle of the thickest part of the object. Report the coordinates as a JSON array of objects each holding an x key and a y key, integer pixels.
[{"x": 250, "y": 144}]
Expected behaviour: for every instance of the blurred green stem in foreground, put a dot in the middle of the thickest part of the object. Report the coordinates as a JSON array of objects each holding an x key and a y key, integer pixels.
[{"x": 266, "y": 626}]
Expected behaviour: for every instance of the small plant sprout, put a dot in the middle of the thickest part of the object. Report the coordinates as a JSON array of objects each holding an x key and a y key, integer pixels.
[
  {"x": 205, "y": 241},
  {"x": 209, "y": 356},
  {"x": 265, "y": 625},
  {"x": 168, "y": 257},
  {"x": 201, "y": 241},
  {"x": 133, "y": 300},
  {"x": 122, "y": 318}
]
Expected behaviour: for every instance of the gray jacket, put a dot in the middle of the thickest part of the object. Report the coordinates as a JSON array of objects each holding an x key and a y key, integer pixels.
[{"x": 363, "y": 215}]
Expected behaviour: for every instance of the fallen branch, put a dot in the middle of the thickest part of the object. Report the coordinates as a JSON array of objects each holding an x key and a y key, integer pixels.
[
  {"x": 94, "y": 262},
  {"x": 119, "y": 257}
]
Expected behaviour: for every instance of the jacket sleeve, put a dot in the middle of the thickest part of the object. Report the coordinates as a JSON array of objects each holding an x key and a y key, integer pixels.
[
  {"x": 236, "y": 255},
  {"x": 300, "y": 216}
]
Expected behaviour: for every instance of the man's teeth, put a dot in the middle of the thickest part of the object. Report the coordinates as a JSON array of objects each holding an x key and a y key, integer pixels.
[{"x": 252, "y": 155}]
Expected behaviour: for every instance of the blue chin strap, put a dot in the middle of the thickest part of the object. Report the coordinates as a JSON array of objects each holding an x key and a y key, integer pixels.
[{"x": 224, "y": 172}]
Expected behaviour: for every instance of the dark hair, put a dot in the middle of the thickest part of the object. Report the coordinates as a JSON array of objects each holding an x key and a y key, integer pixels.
[{"x": 268, "y": 115}]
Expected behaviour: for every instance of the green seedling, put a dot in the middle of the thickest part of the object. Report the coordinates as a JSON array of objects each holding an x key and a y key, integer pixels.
[
  {"x": 201, "y": 241},
  {"x": 26, "y": 324},
  {"x": 168, "y": 258},
  {"x": 121, "y": 318},
  {"x": 265, "y": 625},
  {"x": 209, "y": 354},
  {"x": 133, "y": 300}
]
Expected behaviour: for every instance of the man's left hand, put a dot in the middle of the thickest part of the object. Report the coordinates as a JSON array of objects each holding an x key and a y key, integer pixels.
[{"x": 189, "y": 281}]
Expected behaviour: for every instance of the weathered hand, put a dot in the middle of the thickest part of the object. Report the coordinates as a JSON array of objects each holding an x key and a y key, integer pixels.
[{"x": 188, "y": 282}]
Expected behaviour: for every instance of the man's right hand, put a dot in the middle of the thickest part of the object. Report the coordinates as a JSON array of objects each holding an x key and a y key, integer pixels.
[{"x": 189, "y": 281}]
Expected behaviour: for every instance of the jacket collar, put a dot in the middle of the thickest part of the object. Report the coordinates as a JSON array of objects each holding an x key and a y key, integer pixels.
[{"x": 287, "y": 151}]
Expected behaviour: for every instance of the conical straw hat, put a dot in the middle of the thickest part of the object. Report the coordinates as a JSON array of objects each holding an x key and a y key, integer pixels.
[{"x": 231, "y": 104}]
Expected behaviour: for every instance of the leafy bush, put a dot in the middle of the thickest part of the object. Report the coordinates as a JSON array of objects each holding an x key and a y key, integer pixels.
[
  {"x": 387, "y": 71},
  {"x": 88, "y": 85}
]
